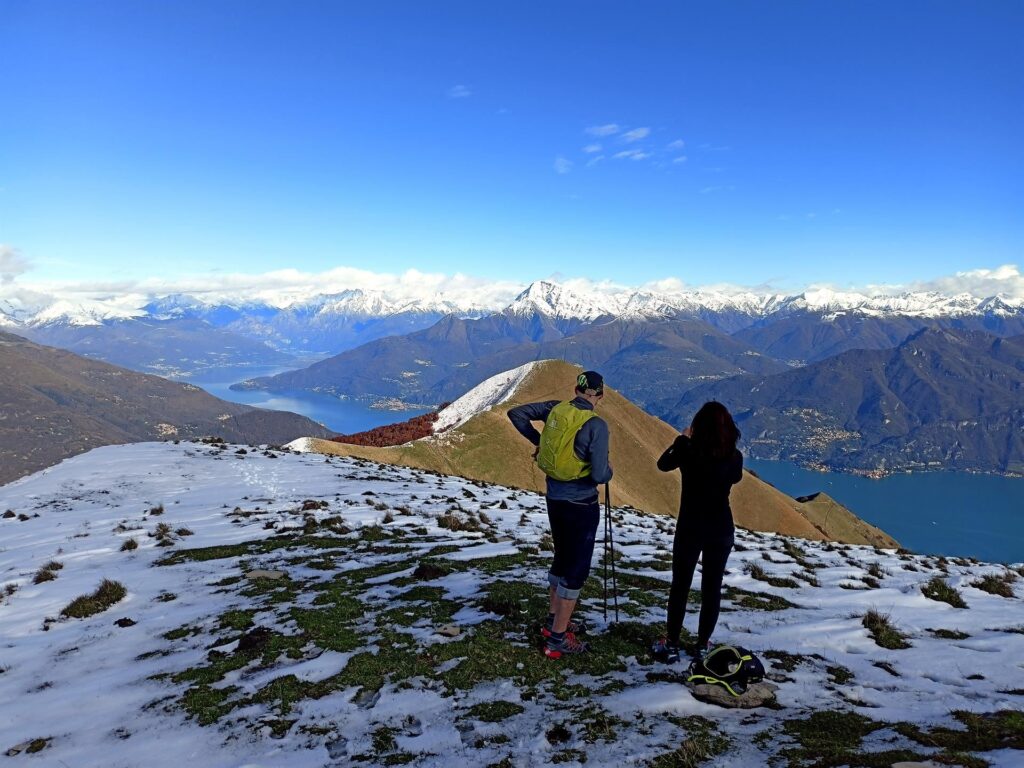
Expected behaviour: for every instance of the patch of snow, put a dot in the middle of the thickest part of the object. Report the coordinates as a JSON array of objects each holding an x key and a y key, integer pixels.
[
  {"x": 482, "y": 397},
  {"x": 107, "y": 695}
]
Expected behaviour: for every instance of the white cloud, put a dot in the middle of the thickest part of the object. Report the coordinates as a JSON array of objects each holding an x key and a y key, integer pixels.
[
  {"x": 12, "y": 263},
  {"x": 632, "y": 154},
  {"x": 459, "y": 92},
  {"x": 592, "y": 148},
  {"x": 635, "y": 135},
  {"x": 595, "y": 160},
  {"x": 603, "y": 130},
  {"x": 562, "y": 165},
  {"x": 1006, "y": 280},
  {"x": 677, "y": 144},
  {"x": 285, "y": 286},
  {"x": 680, "y": 159}
]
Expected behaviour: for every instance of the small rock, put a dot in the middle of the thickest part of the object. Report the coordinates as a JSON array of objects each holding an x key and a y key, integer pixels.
[
  {"x": 337, "y": 748},
  {"x": 28, "y": 747},
  {"x": 367, "y": 699},
  {"x": 261, "y": 574},
  {"x": 412, "y": 726},
  {"x": 756, "y": 695},
  {"x": 125, "y": 622},
  {"x": 449, "y": 630},
  {"x": 429, "y": 571},
  {"x": 254, "y": 640}
]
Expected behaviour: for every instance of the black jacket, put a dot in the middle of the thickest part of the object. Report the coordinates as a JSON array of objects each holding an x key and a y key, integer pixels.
[{"x": 704, "y": 501}]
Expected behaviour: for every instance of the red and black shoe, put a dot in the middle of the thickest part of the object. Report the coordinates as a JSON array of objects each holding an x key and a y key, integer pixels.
[
  {"x": 568, "y": 645},
  {"x": 576, "y": 627}
]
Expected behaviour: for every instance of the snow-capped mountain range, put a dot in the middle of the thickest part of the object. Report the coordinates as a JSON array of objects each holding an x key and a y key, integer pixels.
[{"x": 544, "y": 297}]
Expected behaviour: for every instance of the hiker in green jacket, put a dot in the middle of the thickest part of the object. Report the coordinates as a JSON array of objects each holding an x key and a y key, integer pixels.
[{"x": 573, "y": 452}]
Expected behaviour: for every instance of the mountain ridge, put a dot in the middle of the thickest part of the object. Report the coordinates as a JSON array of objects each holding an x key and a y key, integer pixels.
[
  {"x": 941, "y": 399},
  {"x": 649, "y": 362},
  {"x": 296, "y": 328},
  {"x": 475, "y": 439},
  {"x": 547, "y": 296},
  {"x": 56, "y": 404}
]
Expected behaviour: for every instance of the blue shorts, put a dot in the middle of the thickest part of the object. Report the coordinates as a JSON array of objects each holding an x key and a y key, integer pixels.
[{"x": 573, "y": 530}]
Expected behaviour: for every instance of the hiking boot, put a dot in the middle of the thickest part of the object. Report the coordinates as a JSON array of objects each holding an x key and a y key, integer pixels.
[
  {"x": 665, "y": 652},
  {"x": 699, "y": 650},
  {"x": 555, "y": 649},
  {"x": 576, "y": 627}
]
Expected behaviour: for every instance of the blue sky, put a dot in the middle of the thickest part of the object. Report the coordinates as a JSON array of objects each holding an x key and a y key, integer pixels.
[{"x": 841, "y": 142}]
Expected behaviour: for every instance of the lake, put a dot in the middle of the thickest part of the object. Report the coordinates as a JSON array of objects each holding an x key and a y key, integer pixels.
[
  {"x": 342, "y": 416},
  {"x": 936, "y": 513}
]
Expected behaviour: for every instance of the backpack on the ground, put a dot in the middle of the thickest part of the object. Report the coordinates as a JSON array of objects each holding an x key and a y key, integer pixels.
[{"x": 731, "y": 667}]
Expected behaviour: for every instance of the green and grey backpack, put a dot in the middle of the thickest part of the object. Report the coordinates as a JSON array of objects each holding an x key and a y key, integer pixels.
[
  {"x": 556, "y": 454},
  {"x": 729, "y": 666}
]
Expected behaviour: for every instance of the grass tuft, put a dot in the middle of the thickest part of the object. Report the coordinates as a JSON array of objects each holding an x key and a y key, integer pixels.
[
  {"x": 949, "y": 634},
  {"x": 494, "y": 711},
  {"x": 107, "y": 594},
  {"x": 883, "y": 632},
  {"x": 701, "y": 743},
  {"x": 937, "y": 589},
  {"x": 47, "y": 573},
  {"x": 1001, "y": 585},
  {"x": 982, "y": 732},
  {"x": 759, "y": 573}
]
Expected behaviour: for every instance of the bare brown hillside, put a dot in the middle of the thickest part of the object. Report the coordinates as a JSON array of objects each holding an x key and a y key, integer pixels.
[
  {"x": 488, "y": 448},
  {"x": 55, "y": 404}
]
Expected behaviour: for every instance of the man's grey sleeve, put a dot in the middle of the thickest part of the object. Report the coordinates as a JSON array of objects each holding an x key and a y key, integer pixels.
[
  {"x": 600, "y": 469},
  {"x": 522, "y": 417}
]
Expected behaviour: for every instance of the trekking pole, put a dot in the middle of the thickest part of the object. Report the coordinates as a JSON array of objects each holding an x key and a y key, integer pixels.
[
  {"x": 611, "y": 546},
  {"x": 605, "y": 567}
]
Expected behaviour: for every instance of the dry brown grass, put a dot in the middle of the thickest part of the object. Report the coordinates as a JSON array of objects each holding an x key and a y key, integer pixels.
[{"x": 488, "y": 448}]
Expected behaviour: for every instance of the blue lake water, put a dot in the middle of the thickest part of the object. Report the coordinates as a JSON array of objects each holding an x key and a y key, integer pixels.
[
  {"x": 941, "y": 513},
  {"x": 341, "y": 416}
]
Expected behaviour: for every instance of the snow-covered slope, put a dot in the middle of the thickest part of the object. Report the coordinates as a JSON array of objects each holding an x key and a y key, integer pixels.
[
  {"x": 83, "y": 312},
  {"x": 340, "y": 662},
  {"x": 485, "y": 395}
]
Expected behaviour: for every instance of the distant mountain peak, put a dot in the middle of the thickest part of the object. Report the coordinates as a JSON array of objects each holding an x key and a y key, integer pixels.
[
  {"x": 558, "y": 301},
  {"x": 84, "y": 312}
]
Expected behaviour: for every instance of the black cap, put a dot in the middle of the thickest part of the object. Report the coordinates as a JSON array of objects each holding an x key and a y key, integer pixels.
[{"x": 590, "y": 380}]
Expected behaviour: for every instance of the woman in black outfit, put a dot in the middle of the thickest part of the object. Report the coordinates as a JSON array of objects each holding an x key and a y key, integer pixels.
[{"x": 706, "y": 456}]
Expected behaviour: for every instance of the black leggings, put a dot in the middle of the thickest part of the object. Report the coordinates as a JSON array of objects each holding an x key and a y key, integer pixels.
[{"x": 686, "y": 549}]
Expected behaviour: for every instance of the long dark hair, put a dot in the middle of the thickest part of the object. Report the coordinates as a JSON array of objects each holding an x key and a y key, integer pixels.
[{"x": 714, "y": 432}]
